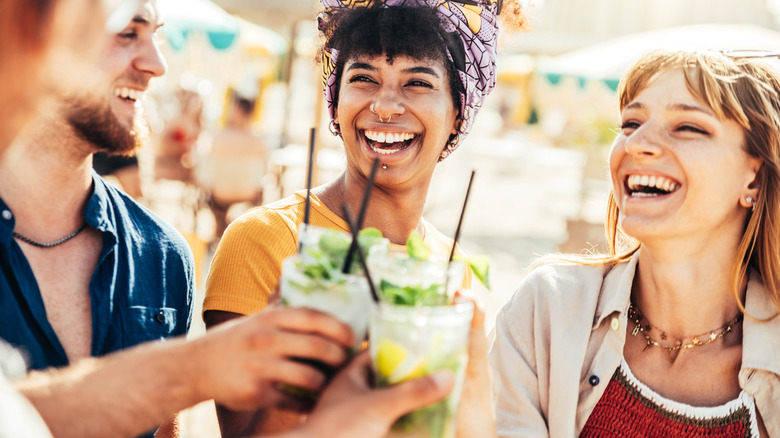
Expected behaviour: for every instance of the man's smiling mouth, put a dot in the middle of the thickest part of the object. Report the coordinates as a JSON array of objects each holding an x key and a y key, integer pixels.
[
  {"x": 128, "y": 94},
  {"x": 387, "y": 143}
]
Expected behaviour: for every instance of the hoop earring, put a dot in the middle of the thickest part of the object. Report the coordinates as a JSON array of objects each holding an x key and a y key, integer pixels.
[
  {"x": 454, "y": 140},
  {"x": 334, "y": 128}
]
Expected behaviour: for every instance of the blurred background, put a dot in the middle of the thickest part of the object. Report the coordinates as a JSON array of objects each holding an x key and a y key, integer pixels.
[{"x": 230, "y": 124}]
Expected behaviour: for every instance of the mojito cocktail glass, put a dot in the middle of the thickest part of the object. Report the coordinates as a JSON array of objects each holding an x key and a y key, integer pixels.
[
  {"x": 413, "y": 341},
  {"x": 313, "y": 278}
]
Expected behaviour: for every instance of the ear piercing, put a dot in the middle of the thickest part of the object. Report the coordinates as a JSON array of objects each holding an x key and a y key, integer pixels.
[{"x": 751, "y": 202}]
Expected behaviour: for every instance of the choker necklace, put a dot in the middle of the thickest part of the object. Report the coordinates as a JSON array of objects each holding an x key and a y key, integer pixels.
[
  {"x": 50, "y": 244},
  {"x": 695, "y": 341}
]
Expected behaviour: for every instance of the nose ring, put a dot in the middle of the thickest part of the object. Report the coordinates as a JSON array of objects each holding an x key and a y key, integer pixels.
[{"x": 373, "y": 110}]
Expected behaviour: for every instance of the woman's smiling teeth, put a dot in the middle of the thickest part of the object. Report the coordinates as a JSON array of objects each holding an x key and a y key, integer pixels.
[
  {"x": 647, "y": 185},
  {"x": 388, "y": 142}
]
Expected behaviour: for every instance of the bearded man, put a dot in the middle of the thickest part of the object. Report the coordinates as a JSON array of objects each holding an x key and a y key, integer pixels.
[{"x": 84, "y": 269}]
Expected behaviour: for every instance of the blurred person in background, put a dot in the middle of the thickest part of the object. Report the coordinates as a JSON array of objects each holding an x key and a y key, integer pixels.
[
  {"x": 237, "y": 162},
  {"x": 404, "y": 81},
  {"x": 175, "y": 150},
  {"x": 676, "y": 329},
  {"x": 123, "y": 394}
]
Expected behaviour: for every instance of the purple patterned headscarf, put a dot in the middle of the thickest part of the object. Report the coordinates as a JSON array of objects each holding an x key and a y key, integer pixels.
[{"x": 474, "y": 21}]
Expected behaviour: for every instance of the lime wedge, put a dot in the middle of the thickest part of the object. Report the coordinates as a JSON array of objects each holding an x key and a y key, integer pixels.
[
  {"x": 394, "y": 363},
  {"x": 389, "y": 356}
]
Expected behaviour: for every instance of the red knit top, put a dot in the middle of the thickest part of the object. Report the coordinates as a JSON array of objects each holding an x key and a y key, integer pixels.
[{"x": 630, "y": 409}]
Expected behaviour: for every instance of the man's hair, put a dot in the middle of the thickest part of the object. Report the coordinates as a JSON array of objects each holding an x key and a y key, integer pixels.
[{"x": 392, "y": 32}]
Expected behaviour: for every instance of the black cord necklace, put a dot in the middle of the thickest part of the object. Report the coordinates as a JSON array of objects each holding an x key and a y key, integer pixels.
[{"x": 50, "y": 244}]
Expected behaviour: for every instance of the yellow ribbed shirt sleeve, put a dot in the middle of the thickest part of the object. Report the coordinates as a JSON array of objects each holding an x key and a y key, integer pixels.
[{"x": 247, "y": 265}]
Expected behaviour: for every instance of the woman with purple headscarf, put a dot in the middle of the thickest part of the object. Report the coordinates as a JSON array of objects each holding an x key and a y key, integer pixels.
[{"x": 403, "y": 82}]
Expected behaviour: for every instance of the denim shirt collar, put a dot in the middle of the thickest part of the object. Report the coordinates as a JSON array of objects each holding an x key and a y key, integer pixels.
[{"x": 97, "y": 213}]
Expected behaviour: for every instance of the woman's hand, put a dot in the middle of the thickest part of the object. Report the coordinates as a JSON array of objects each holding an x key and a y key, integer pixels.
[
  {"x": 350, "y": 408},
  {"x": 475, "y": 412}
]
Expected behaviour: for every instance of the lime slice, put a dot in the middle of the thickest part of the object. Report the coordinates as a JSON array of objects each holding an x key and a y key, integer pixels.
[{"x": 389, "y": 356}]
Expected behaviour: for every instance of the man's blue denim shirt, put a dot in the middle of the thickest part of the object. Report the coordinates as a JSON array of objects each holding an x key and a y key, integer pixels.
[{"x": 142, "y": 289}]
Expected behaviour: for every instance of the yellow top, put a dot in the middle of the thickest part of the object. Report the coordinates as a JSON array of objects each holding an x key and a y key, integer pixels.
[{"x": 248, "y": 261}]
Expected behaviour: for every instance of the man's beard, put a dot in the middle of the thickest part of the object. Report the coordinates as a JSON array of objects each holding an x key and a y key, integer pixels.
[{"x": 97, "y": 124}]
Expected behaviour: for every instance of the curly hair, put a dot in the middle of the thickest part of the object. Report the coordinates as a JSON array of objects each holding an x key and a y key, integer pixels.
[{"x": 392, "y": 32}]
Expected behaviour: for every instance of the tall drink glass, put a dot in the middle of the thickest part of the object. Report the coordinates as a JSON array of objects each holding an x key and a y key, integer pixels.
[
  {"x": 418, "y": 329},
  {"x": 413, "y": 341},
  {"x": 313, "y": 278}
]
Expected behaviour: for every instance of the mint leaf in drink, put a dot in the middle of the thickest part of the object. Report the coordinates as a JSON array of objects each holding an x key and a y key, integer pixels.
[
  {"x": 369, "y": 232},
  {"x": 395, "y": 294},
  {"x": 480, "y": 266},
  {"x": 413, "y": 295},
  {"x": 333, "y": 244},
  {"x": 416, "y": 248}
]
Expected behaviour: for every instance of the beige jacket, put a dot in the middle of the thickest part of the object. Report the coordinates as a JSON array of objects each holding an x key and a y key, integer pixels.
[{"x": 559, "y": 339}]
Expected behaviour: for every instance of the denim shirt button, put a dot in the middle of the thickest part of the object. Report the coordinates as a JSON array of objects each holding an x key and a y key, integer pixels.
[
  {"x": 7, "y": 215},
  {"x": 594, "y": 380},
  {"x": 160, "y": 317}
]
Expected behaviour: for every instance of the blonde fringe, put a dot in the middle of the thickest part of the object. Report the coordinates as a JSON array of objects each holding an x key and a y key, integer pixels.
[{"x": 747, "y": 92}]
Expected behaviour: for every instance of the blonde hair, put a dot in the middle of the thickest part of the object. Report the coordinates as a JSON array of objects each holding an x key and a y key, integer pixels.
[{"x": 741, "y": 89}]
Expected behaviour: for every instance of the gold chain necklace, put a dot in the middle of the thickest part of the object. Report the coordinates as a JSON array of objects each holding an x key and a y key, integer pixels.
[{"x": 705, "y": 338}]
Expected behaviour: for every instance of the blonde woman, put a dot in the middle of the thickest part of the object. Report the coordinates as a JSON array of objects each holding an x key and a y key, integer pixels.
[{"x": 674, "y": 333}]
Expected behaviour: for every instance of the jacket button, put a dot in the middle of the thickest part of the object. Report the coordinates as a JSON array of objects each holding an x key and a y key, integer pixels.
[
  {"x": 594, "y": 380},
  {"x": 160, "y": 317},
  {"x": 7, "y": 215}
]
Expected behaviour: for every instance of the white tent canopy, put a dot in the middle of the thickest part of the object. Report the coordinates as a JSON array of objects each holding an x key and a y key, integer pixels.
[{"x": 608, "y": 60}]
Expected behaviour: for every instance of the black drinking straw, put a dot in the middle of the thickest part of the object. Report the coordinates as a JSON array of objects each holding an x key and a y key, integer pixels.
[
  {"x": 361, "y": 216},
  {"x": 362, "y": 257},
  {"x": 308, "y": 177},
  {"x": 460, "y": 221},
  {"x": 310, "y": 167}
]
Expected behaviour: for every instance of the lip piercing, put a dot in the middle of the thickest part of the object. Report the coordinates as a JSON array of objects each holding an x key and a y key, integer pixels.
[{"x": 384, "y": 166}]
